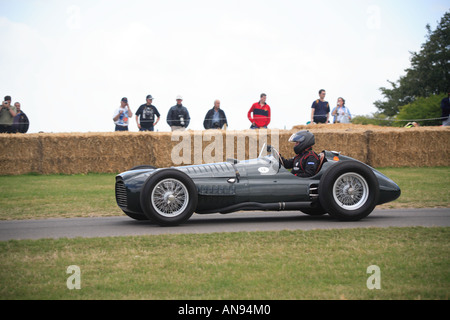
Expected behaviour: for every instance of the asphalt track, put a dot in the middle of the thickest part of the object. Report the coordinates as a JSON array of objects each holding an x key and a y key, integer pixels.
[{"x": 234, "y": 222}]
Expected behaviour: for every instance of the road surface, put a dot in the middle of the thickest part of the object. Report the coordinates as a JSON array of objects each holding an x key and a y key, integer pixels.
[{"x": 234, "y": 222}]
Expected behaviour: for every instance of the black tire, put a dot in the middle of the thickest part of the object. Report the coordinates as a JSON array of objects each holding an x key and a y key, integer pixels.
[
  {"x": 144, "y": 166},
  {"x": 349, "y": 191},
  {"x": 314, "y": 211},
  {"x": 169, "y": 197}
]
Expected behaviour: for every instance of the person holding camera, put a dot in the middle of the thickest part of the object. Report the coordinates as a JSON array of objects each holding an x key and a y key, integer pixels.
[
  {"x": 7, "y": 114},
  {"x": 215, "y": 118},
  {"x": 178, "y": 116}
]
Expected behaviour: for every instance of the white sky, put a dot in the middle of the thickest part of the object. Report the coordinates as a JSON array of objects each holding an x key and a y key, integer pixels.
[{"x": 69, "y": 63}]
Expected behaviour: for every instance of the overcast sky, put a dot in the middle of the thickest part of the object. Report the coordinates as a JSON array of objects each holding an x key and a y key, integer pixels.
[{"x": 69, "y": 63}]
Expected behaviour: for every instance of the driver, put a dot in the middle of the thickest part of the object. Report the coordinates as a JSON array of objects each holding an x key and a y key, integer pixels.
[{"x": 306, "y": 161}]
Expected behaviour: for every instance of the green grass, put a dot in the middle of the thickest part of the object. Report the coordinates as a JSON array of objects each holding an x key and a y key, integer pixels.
[
  {"x": 326, "y": 264},
  {"x": 50, "y": 196},
  {"x": 421, "y": 187},
  {"x": 47, "y": 196}
]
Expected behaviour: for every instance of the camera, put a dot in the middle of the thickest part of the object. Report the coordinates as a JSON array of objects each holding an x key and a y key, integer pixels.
[
  {"x": 216, "y": 125},
  {"x": 182, "y": 120}
]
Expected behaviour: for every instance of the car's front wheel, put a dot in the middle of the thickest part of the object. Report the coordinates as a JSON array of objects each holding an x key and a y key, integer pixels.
[
  {"x": 349, "y": 191},
  {"x": 135, "y": 216},
  {"x": 316, "y": 210},
  {"x": 169, "y": 197}
]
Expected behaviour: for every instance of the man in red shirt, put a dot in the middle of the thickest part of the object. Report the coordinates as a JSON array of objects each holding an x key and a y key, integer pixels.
[{"x": 261, "y": 113}]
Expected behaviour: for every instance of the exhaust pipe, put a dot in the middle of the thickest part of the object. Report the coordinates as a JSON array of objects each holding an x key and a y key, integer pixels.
[{"x": 277, "y": 206}]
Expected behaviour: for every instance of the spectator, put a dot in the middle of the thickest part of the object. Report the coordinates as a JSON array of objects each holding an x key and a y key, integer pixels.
[
  {"x": 20, "y": 122},
  {"x": 341, "y": 113},
  {"x": 121, "y": 116},
  {"x": 320, "y": 109},
  {"x": 147, "y": 113},
  {"x": 178, "y": 116},
  {"x": 261, "y": 113},
  {"x": 7, "y": 114},
  {"x": 445, "y": 106},
  {"x": 412, "y": 124},
  {"x": 215, "y": 118}
]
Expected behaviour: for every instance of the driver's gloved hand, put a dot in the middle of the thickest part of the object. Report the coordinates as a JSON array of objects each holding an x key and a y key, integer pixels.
[{"x": 269, "y": 148}]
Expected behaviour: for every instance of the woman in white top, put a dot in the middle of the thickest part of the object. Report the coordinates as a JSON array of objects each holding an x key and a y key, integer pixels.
[{"x": 341, "y": 112}]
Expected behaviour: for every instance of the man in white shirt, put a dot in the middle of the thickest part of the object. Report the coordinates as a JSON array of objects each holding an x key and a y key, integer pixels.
[{"x": 121, "y": 116}]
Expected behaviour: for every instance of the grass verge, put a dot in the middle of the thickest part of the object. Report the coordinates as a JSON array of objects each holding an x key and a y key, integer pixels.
[
  {"x": 57, "y": 196},
  {"x": 421, "y": 187},
  {"x": 330, "y": 264}
]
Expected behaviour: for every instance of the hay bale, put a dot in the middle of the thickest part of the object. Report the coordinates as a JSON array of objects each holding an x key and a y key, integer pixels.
[
  {"x": 111, "y": 152},
  {"x": 19, "y": 154},
  {"x": 413, "y": 147}
]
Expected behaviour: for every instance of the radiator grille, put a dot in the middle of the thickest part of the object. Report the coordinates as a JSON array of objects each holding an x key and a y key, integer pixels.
[{"x": 121, "y": 194}]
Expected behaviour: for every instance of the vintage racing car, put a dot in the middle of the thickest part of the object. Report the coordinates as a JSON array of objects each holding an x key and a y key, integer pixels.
[{"x": 343, "y": 187}]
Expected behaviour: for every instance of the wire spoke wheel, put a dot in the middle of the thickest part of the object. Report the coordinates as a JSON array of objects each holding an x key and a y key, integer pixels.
[
  {"x": 170, "y": 197},
  {"x": 350, "y": 191}
]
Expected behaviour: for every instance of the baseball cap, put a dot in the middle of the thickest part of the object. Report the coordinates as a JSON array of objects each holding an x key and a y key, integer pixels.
[
  {"x": 125, "y": 99},
  {"x": 179, "y": 97},
  {"x": 149, "y": 97}
]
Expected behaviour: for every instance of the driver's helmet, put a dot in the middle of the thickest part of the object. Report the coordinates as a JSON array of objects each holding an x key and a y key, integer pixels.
[{"x": 305, "y": 140}]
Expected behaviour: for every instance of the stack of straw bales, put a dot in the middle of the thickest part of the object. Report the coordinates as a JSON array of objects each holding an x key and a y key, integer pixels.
[{"x": 112, "y": 152}]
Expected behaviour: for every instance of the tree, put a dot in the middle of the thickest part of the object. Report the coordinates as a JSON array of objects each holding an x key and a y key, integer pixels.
[
  {"x": 422, "y": 108},
  {"x": 376, "y": 118},
  {"x": 429, "y": 73}
]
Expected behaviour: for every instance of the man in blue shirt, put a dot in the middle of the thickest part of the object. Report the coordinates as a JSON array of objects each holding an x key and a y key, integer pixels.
[
  {"x": 20, "y": 122},
  {"x": 320, "y": 109},
  {"x": 215, "y": 118}
]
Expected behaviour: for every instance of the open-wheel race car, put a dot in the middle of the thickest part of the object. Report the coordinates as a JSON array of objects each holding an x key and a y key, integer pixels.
[{"x": 343, "y": 187}]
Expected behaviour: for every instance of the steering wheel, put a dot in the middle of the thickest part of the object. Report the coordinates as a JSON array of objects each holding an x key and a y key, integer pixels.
[{"x": 276, "y": 155}]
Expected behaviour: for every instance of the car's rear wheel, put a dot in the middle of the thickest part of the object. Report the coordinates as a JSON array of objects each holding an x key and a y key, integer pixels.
[
  {"x": 349, "y": 191},
  {"x": 169, "y": 197}
]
